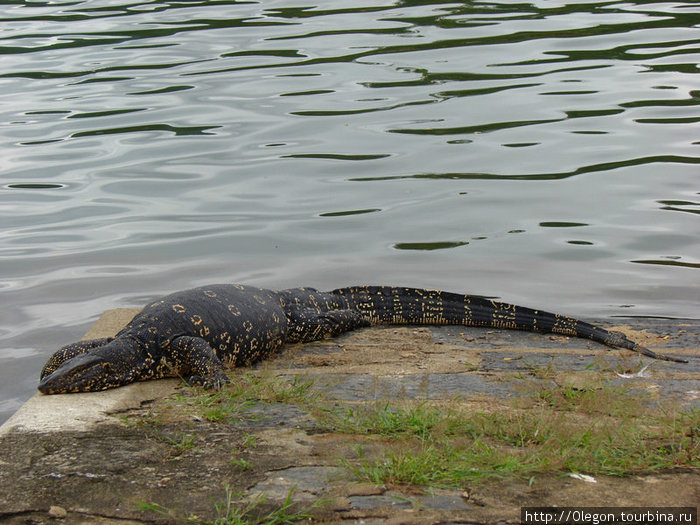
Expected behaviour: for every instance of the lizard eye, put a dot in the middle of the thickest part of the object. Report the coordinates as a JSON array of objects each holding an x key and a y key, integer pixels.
[{"x": 107, "y": 368}]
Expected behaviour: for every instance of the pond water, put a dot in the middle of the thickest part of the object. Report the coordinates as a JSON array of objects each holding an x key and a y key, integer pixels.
[{"x": 545, "y": 153}]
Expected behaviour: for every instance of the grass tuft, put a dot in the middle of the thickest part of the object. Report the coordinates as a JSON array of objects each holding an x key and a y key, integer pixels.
[
  {"x": 231, "y": 402},
  {"x": 235, "y": 511}
]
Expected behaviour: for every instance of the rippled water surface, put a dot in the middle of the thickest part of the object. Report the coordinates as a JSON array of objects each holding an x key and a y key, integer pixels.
[{"x": 545, "y": 153}]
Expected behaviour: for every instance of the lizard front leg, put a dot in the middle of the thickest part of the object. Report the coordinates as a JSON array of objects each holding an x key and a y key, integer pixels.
[{"x": 195, "y": 360}]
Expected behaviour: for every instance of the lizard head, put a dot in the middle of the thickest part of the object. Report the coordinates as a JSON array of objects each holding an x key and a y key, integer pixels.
[{"x": 97, "y": 369}]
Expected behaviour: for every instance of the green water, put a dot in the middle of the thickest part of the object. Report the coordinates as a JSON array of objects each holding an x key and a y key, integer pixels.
[{"x": 544, "y": 153}]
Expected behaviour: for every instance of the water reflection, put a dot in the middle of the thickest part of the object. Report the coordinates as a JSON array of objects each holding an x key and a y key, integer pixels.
[
  {"x": 435, "y": 245},
  {"x": 35, "y": 186}
]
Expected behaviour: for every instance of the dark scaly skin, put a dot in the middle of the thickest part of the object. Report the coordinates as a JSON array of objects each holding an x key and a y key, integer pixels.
[{"x": 194, "y": 333}]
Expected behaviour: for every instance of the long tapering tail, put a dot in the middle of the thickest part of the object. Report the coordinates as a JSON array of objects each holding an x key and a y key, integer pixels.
[{"x": 397, "y": 305}]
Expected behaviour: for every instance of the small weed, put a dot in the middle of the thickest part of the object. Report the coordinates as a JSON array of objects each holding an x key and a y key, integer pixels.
[
  {"x": 184, "y": 444},
  {"x": 241, "y": 464},
  {"x": 543, "y": 372},
  {"x": 249, "y": 441},
  {"x": 231, "y": 513},
  {"x": 155, "y": 507}
]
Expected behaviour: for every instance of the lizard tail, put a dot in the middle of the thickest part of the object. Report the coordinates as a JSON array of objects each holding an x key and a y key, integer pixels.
[{"x": 397, "y": 305}]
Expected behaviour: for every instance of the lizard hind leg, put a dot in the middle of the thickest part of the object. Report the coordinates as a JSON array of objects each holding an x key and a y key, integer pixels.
[
  {"x": 308, "y": 324},
  {"x": 70, "y": 351}
]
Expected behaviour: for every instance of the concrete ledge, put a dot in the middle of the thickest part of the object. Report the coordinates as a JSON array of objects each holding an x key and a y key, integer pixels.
[{"x": 82, "y": 412}]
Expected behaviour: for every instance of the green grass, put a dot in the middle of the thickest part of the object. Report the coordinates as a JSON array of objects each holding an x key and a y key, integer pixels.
[
  {"x": 241, "y": 464},
  {"x": 235, "y": 511},
  {"x": 595, "y": 427},
  {"x": 410, "y": 421},
  {"x": 592, "y": 430},
  {"x": 593, "y": 396},
  {"x": 231, "y": 402},
  {"x": 185, "y": 443},
  {"x": 254, "y": 512}
]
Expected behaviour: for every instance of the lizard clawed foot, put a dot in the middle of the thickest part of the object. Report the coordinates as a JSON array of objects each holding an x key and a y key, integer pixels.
[{"x": 215, "y": 382}]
